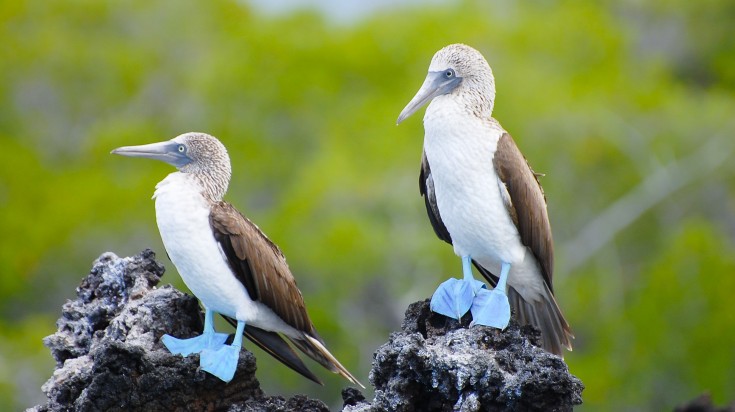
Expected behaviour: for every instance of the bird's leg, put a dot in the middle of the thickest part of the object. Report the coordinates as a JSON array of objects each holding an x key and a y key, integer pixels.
[
  {"x": 453, "y": 298},
  {"x": 222, "y": 362},
  {"x": 467, "y": 272},
  {"x": 208, "y": 339},
  {"x": 491, "y": 307},
  {"x": 503, "y": 281}
]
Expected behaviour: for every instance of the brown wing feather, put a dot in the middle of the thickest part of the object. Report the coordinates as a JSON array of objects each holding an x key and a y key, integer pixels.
[
  {"x": 259, "y": 264},
  {"x": 527, "y": 203},
  {"x": 273, "y": 344},
  {"x": 261, "y": 267}
]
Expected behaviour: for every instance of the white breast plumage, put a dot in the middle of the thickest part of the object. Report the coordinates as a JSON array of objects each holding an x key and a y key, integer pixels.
[
  {"x": 182, "y": 214},
  {"x": 460, "y": 149}
]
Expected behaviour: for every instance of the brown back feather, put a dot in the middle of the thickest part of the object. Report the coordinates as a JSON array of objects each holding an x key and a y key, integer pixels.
[
  {"x": 259, "y": 265},
  {"x": 524, "y": 188}
]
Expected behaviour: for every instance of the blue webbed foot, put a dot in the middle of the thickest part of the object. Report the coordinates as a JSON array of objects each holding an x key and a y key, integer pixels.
[
  {"x": 454, "y": 297},
  {"x": 491, "y": 308},
  {"x": 221, "y": 363},
  {"x": 209, "y": 339},
  {"x": 186, "y": 347}
]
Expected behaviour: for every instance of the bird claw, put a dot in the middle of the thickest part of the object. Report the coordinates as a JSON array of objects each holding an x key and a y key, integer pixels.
[
  {"x": 491, "y": 308},
  {"x": 186, "y": 347},
  {"x": 454, "y": 297},
  {"x": 221, "y": 363}
]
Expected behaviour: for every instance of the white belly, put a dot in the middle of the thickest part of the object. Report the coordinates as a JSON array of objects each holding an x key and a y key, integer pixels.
[
  {"x": 182, "y": 214},
  {"x": 183, "y": 220},
  {"x": 460, "y": 149}
]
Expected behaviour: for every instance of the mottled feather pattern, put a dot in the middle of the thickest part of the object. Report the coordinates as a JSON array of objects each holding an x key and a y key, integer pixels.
[
  {"x": 478, "y": 86},
  {"x": 210, "y": 164}
]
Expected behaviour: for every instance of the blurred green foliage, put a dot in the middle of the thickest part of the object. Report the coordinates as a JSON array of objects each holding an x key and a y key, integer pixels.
[{"x": 598, "y": 95}]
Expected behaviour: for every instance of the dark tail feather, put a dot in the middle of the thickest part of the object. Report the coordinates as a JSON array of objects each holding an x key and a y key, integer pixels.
[
  {"x": 314, "y": 348},
  {"x": 492, "y": 279},
  {"x": 274, "y": 344},
  {"x": 545, "y": 315}
]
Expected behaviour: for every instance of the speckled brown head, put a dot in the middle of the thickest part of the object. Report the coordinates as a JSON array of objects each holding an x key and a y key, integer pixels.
[
  {"x": 198, "y": 154},
  {"x": 461, "y": 72}
]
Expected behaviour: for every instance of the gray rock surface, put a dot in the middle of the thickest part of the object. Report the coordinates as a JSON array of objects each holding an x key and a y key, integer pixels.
[
  {"x": 438, "y": 364},
  {"x": 109, "y": 357}
]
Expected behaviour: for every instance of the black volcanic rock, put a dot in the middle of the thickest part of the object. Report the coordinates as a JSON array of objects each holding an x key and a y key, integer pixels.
[
  {"x": 703, "y": 403},
  {"x": 109, "y": 357},
  {"x": 438, "y": 364}
]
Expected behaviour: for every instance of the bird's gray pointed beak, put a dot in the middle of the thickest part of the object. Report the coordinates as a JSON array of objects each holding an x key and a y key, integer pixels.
[
  {"x": 168, "y": 151},
  {"x": 434, "y": 85}
]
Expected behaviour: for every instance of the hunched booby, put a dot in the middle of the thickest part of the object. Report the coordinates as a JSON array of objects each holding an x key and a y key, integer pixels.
[
  {"x": 483, "y": 198},
  {"x": 228, "y": 263}
]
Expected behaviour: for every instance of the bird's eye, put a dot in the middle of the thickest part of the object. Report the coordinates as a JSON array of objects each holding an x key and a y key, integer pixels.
[
  {"x": 449, "y": 73},
  {"x": 182, "y": 148}
]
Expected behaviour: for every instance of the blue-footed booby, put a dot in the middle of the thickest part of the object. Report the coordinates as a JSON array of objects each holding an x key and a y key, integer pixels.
[
  {"x": 228, "y": 263},
  {"x": 483, "y": 198}
]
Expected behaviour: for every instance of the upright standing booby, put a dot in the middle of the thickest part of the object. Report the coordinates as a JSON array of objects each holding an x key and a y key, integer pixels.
[
  {"x": 227, "y": 262},
  {"x": 483, "y": 198}
]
